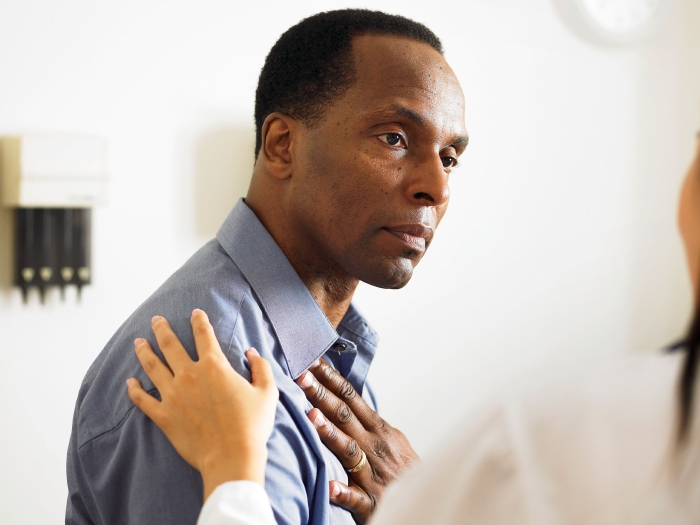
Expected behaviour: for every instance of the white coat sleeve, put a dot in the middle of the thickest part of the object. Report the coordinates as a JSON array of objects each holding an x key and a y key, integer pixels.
[{"x": 237, "y": 503}]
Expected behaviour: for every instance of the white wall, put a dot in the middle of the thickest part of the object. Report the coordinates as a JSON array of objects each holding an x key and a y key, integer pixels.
[{"x": 559, "y": 244}]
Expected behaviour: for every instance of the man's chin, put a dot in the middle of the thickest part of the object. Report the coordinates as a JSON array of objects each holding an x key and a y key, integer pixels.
[{"x": 393, "y": 277}]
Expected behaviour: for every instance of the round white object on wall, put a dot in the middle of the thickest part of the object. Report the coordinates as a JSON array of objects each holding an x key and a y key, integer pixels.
[{"x": 615, "y": 22}]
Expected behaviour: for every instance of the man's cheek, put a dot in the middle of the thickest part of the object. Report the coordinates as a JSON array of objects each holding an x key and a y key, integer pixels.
[{"x": 442, "y": 210}]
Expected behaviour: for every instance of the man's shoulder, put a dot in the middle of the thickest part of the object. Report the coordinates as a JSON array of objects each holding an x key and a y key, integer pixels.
[{"x": 209, "y": 280}]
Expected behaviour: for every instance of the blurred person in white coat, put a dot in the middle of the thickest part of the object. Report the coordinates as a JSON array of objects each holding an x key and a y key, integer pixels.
[{"x": 615, "y": 444}]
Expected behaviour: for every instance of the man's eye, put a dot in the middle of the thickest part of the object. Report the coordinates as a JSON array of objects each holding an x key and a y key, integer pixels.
[
  {"x": 449, "y": 162},
  {"x": 393, "y": 139}
]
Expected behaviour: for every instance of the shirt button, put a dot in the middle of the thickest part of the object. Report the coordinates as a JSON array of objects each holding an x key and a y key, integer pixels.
[{"x": 339, "y": 347}]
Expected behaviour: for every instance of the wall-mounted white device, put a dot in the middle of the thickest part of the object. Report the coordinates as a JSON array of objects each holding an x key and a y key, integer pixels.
[
  {"x": 53, "y": 181},
  {"x": 54, "y": 171}
]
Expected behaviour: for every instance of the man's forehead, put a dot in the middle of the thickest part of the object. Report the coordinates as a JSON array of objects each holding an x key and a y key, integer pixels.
[
  {"x": 377, "y": 54},
  {"x": 388, "y": 63},
  {"x": 399, "y": 79},
  {"x": 423, "y": 102}
]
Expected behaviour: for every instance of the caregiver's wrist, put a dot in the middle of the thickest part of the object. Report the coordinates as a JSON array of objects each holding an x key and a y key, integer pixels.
[{"x": 246, "y": 463}]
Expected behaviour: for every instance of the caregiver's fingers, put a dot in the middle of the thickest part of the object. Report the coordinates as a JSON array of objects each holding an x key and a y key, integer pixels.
[
  {"x": 142, "y": 399},
  {"x": 204, "y": 336},
  {"x": 157, "y": 372},
  {"x": 175, "y": 354},
  {"x": 261, "y": 373}
]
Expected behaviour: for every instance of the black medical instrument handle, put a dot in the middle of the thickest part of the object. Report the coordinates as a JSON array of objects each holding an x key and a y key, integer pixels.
[
  {"x": 52, "y": 247},
  {"x": 25, "y": 268}
]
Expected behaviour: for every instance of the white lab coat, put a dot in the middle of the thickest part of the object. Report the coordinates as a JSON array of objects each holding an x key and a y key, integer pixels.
[
  {"x": 587, "y": 447},
  {"x": 237, "y": 503}
]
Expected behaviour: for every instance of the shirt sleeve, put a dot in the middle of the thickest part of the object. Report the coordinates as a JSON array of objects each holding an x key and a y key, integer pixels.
[
  {"x": 79, "y": 505},
  {"x": 237, "y": 503}
]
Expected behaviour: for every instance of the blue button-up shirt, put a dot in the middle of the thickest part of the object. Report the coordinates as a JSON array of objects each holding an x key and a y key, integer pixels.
[{"x": 121, "y": 468}]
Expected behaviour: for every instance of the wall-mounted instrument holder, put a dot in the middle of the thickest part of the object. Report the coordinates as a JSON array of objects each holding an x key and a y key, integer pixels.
[
  {"x": 52, "y": 182},
  {"x": 52, "y": 248}
]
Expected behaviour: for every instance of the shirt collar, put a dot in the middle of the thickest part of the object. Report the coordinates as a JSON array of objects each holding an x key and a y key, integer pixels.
[
  {"x": 303, "y": 330},
  {"x": 355, "y": 330}
]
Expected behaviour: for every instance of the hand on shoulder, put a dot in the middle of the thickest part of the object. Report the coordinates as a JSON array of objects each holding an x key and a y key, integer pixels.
[{"x": 198, "y": 399}]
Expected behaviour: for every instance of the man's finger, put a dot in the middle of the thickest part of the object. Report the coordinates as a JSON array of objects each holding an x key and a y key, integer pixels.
[
  {"x": 327, "y": 402},
  {"x": 343, "y": 390},
  {"x": 173, "y": 351},
  {"x": 142, "y": 399},
  {"x": 353, "y": 499},
  {"x": 204, "y": 336},
  {"x": 346, "y": 449},
  {"x": 157, "y": 372}
]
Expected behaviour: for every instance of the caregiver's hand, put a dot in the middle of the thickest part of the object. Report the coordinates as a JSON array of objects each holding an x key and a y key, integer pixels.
[
  {"x": 349, "y": 428},
  {"x": 216, "y": 420}
]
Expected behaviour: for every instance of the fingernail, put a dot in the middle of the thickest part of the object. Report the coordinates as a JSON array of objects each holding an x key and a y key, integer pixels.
[
  {"x": 335, "y": 490},
  {"x": 320, "y": 421},
  {"x": 155, "y": 319},
  {"x": 253, "y": 351},
  {"x": 138, "y": 342},
  {"x": 306, "y": 380},
  {"x": 196, "y": 311},
  {"x": 129, "y": 381}
]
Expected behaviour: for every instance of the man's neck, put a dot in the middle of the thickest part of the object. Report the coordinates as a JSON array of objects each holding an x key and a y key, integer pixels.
[
  {"x": 330, "y": 286},
  {"x": 332, "y": 295}
]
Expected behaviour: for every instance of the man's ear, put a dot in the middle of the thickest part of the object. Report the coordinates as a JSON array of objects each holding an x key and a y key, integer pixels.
[{"x": 278, "y": 141}]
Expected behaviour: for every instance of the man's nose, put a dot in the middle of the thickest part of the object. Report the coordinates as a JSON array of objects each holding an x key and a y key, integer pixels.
[{"x": 429, "y": 184}]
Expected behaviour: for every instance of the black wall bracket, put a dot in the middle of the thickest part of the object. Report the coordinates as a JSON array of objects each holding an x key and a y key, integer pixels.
[{"x": 52, "y": 247}]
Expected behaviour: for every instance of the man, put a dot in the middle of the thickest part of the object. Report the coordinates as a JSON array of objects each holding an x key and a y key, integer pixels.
[{"x": 359, "y": 121}]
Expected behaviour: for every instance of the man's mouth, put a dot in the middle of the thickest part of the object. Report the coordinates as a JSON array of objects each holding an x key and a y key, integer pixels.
[{"x": 414, "y": 236}]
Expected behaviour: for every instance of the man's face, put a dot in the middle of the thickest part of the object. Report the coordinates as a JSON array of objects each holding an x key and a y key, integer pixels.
[{"x": 370, "y": 182}]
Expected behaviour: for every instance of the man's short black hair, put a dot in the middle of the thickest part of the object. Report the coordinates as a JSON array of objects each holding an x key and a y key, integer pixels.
[{"x": 311, "y": 64}]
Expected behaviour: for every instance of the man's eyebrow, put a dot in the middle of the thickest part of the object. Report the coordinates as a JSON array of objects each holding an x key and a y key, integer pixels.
[
  {"x": 462, "y": 139},
  {"x": 408, "y": 113},
  {"x": 418, "y": 119}
]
